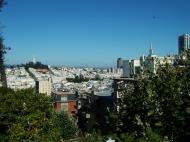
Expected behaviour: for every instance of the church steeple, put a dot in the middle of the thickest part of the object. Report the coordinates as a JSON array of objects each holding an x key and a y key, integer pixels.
[{"x": 151, "y": 51}]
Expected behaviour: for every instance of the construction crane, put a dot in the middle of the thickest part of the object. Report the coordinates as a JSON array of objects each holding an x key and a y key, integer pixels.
[{"x": 3, "y": 50}]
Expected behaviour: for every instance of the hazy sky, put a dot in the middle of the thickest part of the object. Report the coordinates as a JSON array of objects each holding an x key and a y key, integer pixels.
[{"x": 91, "y": 32}]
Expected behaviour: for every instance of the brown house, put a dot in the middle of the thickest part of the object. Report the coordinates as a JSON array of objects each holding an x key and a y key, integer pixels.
[{"x": 65, "y": 101}]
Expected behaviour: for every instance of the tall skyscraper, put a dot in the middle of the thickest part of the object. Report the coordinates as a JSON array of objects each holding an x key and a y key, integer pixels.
[
  {"x": 151, "y": 51},
  {"x": 127, "y": 68},
  {"x": 183, "y": 43},
  {"x": 119, "y": 63}
]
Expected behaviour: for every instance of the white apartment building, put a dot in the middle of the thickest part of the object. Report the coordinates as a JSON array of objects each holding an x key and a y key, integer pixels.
[
  {"x": 44, "y": 86},
  {"x": 135, "y": 66},
  {"x": 150, "y": 63}
]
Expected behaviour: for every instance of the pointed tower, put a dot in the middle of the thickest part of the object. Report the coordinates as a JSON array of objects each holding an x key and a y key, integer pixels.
[
  {"x": 151, "y": 51},
  {"x": 34, "y": 60}
]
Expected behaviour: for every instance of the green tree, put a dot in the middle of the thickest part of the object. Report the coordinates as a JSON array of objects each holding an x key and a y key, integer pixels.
[
  {"x": 66, "y": 125},
  {"x": 149, "y": 136},
  {"x": 25, "y": 115},
  {"x": 97, "y": 77},
  {"x": 34, "y": 127},
  {"x": 160, "y": 102},
  {"x": 94, "y": 137}
]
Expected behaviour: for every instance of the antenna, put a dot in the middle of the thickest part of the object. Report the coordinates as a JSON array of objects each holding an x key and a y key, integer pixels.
[{"x": 3, "y": 50}]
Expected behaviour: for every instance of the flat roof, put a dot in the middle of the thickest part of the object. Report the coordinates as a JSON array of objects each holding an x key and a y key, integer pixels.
[
  {"x": 63, "y": 93},
  {"x": 125, "y": 78}
]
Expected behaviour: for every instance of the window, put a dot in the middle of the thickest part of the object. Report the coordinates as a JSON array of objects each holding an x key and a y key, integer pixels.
[
  {"x": 63, "y": 98},
  {"x": 64, "y": 106}
]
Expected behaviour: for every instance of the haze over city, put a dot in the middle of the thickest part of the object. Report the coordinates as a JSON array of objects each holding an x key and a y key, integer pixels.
[{"x": 91, "y": 32}]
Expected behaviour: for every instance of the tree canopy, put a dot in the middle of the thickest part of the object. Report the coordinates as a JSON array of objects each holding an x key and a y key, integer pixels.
[
  {"x": 67, "y": 127},
  {"x": 28, "y": 116},
  {"x": 160, "y": 102}
]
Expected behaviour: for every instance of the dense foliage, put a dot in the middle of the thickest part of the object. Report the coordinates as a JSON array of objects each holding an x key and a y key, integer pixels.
[
  {"x": 157, "y": 110},
  {"x": 91, "y": 138},
  {"x": 160, "y": 102},
  {"x": 37, "y": 65},
  {"x": 27, "y": 116},
  {"x": 67, "y": 128},
  {"x": 78, "y": 79},
  {"x": 150, "y": 136}
]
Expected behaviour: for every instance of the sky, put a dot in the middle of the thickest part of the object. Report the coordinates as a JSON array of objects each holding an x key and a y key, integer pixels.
[{"x": 91, "y": 33}]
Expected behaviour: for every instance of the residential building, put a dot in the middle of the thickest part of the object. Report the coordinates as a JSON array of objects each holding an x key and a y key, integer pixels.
[
  {"x": 44, "y": 86},
  {"x": 19, "y": 78},
  {"x": 65, "y": 101}
]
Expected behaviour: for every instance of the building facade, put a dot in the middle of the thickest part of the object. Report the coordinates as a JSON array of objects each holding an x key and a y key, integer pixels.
[
  {"x": 152, "y": 62},
  {"x": 126, "y": 68},
  {"x": 183, "y": 43},
  {"x": 131, "y": 67},
  {"x": 135, "y": 67},
  {"x": 119, "y": 63},
  {"x": 44, "y": 86},
  {"x": 65, "y": 101}
]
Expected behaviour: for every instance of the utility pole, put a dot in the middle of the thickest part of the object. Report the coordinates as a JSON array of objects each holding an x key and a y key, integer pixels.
[{"x": 3, "y": 49}]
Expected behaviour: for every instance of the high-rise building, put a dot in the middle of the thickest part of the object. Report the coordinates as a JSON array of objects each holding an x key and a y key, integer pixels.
[
  {"x": 131, "y": 68},
  {"x": 183, "y": 43},
  {"x": 119, "y": 63},
  {"x": 151, "y": 51},
  {"x": 135, "y": 67},
  {"x": 126, "y": 68}
]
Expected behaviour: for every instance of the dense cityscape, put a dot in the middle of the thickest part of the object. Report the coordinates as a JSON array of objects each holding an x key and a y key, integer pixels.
[
  {"x": 141, "y": 99},
  {"x": 90, "y": 79},
  {"x": 72, "y": 88}
]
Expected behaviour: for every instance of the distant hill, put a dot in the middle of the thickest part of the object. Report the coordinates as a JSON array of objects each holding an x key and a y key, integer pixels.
[{"x": 37, "y": 65}]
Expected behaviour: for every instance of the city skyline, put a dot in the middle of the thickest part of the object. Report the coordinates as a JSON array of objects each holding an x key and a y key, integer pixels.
[{"x": 91, "y": 33}]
